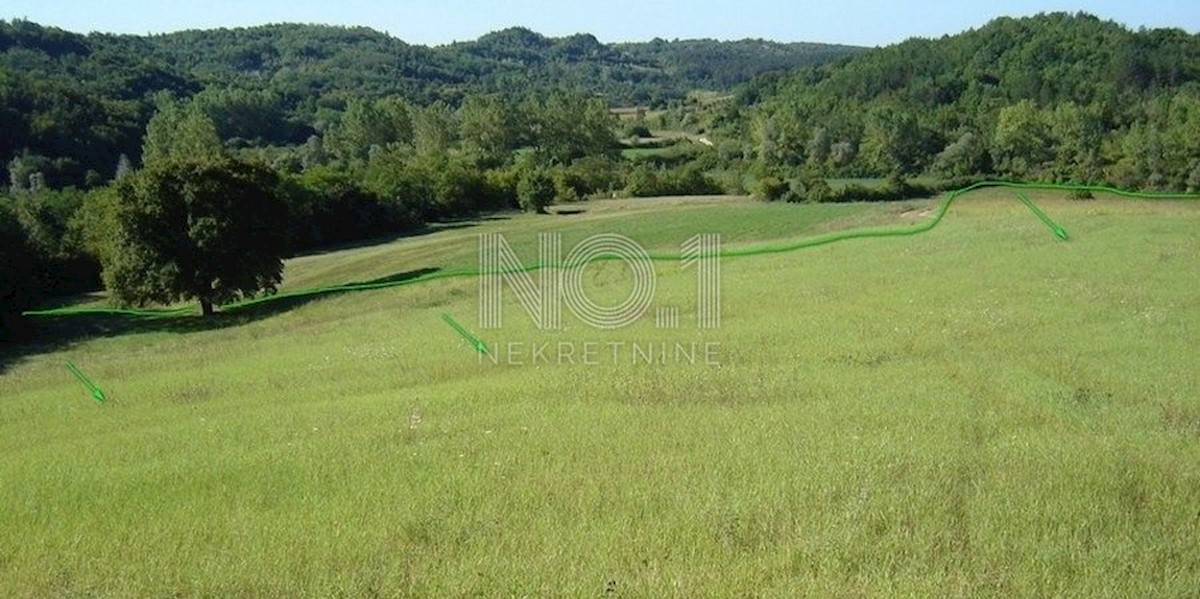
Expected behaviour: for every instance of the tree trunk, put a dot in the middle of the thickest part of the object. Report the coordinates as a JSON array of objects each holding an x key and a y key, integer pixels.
[{"x": 206, "y": 307}]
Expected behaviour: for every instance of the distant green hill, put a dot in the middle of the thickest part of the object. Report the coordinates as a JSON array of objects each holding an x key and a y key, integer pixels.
[
  {"x": 711, "y": 64},
  {"x": 1055, "y": 96},
  {"x": 74, "y": 103},
  {"x": 310, "y": 58}
]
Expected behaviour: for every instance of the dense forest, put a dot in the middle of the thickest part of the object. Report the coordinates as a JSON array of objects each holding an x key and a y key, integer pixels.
[
  {"x": 71, "y": 104},
  {"x": 321, "y": 66},
  {"x": 349, "y": 133},
  {"x": 1056, "y": 97}
]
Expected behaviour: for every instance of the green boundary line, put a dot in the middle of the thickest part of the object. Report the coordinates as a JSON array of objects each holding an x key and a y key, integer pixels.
[{"x": 819, "y": 240}]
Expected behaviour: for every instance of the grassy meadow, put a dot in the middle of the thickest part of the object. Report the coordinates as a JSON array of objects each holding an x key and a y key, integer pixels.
[{"x": 981, "y": 410}]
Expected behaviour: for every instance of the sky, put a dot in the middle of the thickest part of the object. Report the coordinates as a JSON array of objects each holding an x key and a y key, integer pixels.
[{"x": 432, "y": 22}]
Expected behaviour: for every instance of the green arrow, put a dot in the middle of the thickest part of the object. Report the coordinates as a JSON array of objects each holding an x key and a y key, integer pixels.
[
  {"x": 475, "y": 342},
  {"x": 96, "y": 391},
  {"x": 1058, "y": 230}
]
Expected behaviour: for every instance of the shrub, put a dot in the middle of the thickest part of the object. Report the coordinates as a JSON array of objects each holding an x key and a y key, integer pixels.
[
  {"x": 568, "y": 186},
  {"x": 814, "y": 191},
  {"x": 594, "y": 174},
  {"x": 730, "y": 150},
  {"x": 642, "y": 182},
  {"x": 730, "y": 182},
  {"x": 771, "y": 189},
  {"x": 456, "y": 189},
  {"x": 1080, "y": 193},
  {"x": 535, "y": 191},
  {"x": 500, "y": 188},
  {"x": 645, "y": 181},
  {"x": 639, "y": 130},
  {"x": 690, "y": 180},
  {"x": 894, "y": 190}
]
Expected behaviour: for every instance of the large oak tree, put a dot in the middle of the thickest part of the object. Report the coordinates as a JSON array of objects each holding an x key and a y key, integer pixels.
[{"x": 212, "y": 231}]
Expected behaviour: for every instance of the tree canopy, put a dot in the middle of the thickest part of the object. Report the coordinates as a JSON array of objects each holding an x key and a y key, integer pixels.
[
  {"x": 1053, "y": 97},
  {"x": 211, "y": 231}
]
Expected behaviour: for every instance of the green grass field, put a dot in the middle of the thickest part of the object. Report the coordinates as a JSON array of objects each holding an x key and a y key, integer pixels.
[{"x": 981, "y": 410}]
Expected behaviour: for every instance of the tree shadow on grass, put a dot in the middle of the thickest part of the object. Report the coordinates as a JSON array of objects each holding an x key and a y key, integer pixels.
[
  {"x": 568, "y": 211},
  {"x": 49, "y": 334}
]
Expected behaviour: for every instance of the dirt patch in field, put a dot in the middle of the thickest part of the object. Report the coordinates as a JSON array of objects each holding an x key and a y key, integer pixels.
[{"x": 916, "y": 214}]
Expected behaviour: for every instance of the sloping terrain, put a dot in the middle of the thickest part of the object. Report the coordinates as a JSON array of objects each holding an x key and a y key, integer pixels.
[{"x": 980, "y": 410}]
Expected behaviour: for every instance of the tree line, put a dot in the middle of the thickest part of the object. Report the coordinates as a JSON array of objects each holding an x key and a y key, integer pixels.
[
  {"x": 207, "y": 215},
  {"x": 141, "y": 164}
]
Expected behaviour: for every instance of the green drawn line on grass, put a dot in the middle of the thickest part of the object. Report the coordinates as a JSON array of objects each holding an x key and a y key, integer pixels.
[
  {"x": 475, "y": 342},
  {"x": 756, "y": 250},
  {"x": 93, "y": 388}
]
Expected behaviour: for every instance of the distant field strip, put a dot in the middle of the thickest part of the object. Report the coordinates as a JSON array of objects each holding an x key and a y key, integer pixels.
[{"x": 753, "y": 250}]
